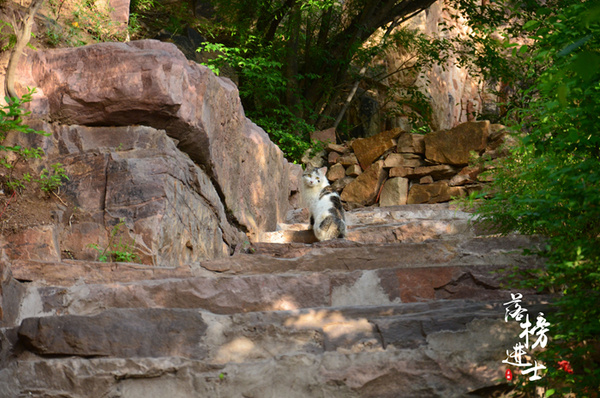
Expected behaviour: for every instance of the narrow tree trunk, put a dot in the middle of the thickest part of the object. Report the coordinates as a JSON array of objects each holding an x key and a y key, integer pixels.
[{"x": 23, "y": 34}]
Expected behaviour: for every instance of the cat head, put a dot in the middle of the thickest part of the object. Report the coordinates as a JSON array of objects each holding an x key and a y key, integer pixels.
[{"x": 313, "y": 177}]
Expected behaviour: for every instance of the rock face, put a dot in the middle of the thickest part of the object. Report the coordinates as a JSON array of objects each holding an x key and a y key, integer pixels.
[
  {"x": 151, "y": 83},
  {"x": 132, "y": 174}
]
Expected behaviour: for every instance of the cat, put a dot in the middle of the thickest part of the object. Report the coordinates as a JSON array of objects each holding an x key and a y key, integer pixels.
[{"x": 327, "y": 218}]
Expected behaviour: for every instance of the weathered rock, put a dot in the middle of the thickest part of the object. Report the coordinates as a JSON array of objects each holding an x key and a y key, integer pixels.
[
  {"x": 11, "y": 296},
  {"x": 437, "y": 192},
  {"x": 336, "y": 172},
  {"x": 340, "y": 149},
  {"x": 333, "y": 157},
  {"x": 340, "y": 184},
  {"x": 401, "y": 171},
  {"x": 326, "y": 136},
  {"x": 426, "y": 180},
  {"x": 117, "y": 333},
  {"x": 411, "y": 143},
  {"x": 400, "y": 160},
  {"x": 168, "y": 205},
  {"x": 394, "y": 192},
  {"x": 354, "y": 170},
  {"x": 152, "y": 83},
  {"x": 367, "y": 150},
  {"x": 348, "y": 159},
  {"x": 437, "y": 172},
  {"x": 36, "y": 243},
  {"x": 365, "y": 188},
  {"x": 454, "y": 146}
]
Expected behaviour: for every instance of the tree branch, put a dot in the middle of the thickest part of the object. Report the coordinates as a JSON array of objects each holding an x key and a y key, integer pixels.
[{"x": 23, "y": 35}]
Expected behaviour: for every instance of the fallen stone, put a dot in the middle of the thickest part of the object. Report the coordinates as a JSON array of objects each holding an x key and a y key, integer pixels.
[
  {"x": 394, "y": 192},
  {"x": 342, "y": 183},
  {"x": 367, "y": 150},
  {"x": 401, "y": 171},
  {"x": 454, "y": 146},
  {"x": 325, "y": 136},
  {"x": 437, "y": 192},
  {"x": 348, "y": 159},
  {"x": 365, "y": 188},
  {"x": 354, "y": 170},
  {"x": 437, "y": 172},
  {"x": 426, "y": 180},
  {"x": 336, "y": 172},
  {"x": 333, "y": 157},
  {"x": 411, "y": 143},
  {"x": 400, "y": 160},
  {"x": 340, "y": 149}
]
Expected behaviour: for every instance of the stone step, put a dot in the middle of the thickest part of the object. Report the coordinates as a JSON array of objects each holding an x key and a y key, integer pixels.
[
  {"x": 411, "y": 231},
  {"x": 405, "y": 350},
  {"x": 229, "y": 294},
  {"x": 409, "y": 223}
]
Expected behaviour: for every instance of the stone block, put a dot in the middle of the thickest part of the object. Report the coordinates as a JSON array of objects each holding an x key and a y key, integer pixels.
[
  {"x": 353, "y": 170},
  {"x": 454, "y": 146},
  {"x": 336, "y": 172},
  {"x": 365, "y": 188},
  {"x": 411, "y": 143},
  {"x": 367, "y": 150},
  {"x": 401, "y": 171},
  {"x": 394, "y": 192},
  {"x": 437, "y": 192}
]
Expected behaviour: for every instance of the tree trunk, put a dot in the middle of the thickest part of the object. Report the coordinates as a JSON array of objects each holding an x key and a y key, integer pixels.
[{"x": 23, "y": 34}]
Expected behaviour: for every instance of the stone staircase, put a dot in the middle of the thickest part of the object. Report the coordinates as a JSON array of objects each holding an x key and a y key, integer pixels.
[{"x": 407, "y": 306}]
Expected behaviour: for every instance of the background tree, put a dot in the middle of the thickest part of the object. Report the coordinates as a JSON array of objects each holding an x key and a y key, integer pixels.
[{"x": 297, "y": 60}]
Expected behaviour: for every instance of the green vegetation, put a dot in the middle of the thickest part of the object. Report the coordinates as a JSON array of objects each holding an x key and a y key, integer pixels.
[
  {"x": 50, "y": 181},
  {"x": 121, "y": 251},
  {"x": 550, "y": 183},
  {"x": 299, "y": 63},
  {"x": 11, "y": 119}
]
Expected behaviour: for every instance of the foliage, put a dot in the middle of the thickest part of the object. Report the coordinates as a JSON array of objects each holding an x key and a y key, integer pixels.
[
  {"x": 120, "y": 251},
  {"x": 11, "y": 119},
  {"x": 50, "y": 181},
  {"x": 297, "y": 61},
  {"x": 84, "y": 23},
  {"x": 550, "y": 184}
]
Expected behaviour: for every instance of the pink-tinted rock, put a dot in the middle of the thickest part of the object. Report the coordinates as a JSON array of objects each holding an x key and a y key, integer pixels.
[
  {"x": 327, "y": 136},
  {"x": 170, "y": 210},
  {"x": 151, "y": 83},
  {"x": 454, "y": 146}
]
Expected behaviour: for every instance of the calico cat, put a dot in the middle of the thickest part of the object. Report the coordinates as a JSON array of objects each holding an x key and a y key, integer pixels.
[{"x": 327, "y": 217}]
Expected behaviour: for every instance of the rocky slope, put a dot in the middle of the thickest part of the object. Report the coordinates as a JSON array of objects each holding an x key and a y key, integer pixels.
[
  {"x": 355, "y": 318},
  {"x": 231, "y": 300}
]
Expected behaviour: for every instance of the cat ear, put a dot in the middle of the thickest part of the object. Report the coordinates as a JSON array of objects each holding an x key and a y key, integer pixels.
[
  {"x": 323, "y": 170},
  {"x": 308, "y": 167}
]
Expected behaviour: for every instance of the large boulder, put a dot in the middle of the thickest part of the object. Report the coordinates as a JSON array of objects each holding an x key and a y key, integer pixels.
[
  {"x": 454, "y": 146},
  {"x": 152, "y": 83},
  {"x": 170, "y": 211}
]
